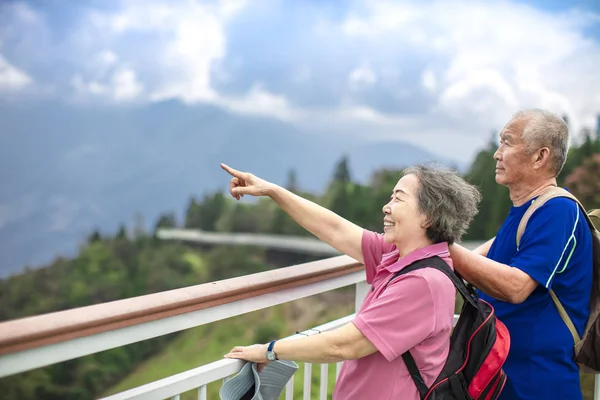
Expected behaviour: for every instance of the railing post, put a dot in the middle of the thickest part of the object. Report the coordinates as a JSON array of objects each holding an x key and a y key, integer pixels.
[
  {"x": 360, "y": 292},
  {"x": 597, "y": 387}
]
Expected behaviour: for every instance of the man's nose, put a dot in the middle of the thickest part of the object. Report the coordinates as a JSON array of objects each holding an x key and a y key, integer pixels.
[{"x": 497, "y": 154}]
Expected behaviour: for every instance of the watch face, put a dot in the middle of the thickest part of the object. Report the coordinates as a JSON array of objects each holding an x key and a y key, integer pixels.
[{"x": 270, "y": 356}]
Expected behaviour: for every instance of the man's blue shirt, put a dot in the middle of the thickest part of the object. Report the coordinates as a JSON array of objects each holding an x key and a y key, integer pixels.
[{"x": 556, "y": 251}]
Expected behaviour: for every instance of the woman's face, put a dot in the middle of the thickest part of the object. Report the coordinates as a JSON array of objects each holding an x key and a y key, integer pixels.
[{"x": 403, "y": 220}]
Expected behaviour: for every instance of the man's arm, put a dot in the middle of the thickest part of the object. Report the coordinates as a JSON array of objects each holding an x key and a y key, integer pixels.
[
  {"x": 484, "y": 249},
  {"x": 495, "y": 279}
]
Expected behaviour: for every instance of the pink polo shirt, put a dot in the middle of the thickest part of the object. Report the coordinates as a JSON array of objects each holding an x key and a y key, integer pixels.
[{"x": 414, "y": 312}]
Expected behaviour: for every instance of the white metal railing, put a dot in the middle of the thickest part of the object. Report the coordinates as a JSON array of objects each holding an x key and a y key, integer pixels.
[
  {"x": 197, "y": 379},
  {"x": 36, "y": 357}
]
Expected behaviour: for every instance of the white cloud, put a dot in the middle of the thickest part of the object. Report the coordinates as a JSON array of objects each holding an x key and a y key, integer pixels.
[
  {"x": 125, "y": 85},
  {"x": 261, "y": 102},
  {"x": 468, "y": 65},
  {"x": 188, "y": 38},
  {"x": 362, "y": 75},
  {"x": 122, "y": 86},
  {"x": 192, "y": 40},
  {"x": 107, "y": 58},
  {"x": 428, "y": 80},
  {"x": 491, "y": 58},
  {"x": 12, "y": 78}
]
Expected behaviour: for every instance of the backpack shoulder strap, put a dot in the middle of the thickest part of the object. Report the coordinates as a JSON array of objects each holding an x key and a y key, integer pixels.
[
  {"x": 551, "y": 193},
  {"x": 436, "y": 262},
  {"x": 594, "y": 215},
  {"x": 548, "y": 194},
  {"x": 565, "y": 317}
]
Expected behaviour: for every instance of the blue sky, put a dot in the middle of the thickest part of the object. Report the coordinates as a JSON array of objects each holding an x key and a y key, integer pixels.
[{"x": 442, "y": 74}]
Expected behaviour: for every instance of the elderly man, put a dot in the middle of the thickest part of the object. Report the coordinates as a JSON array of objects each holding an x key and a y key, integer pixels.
[{"x": 555, "y": 252}]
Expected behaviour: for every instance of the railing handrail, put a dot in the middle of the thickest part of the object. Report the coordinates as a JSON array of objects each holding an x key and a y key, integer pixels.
[{"x": 41, "y": 330}]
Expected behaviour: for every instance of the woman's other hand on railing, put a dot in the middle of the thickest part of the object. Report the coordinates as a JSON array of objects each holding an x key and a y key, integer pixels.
[{"x": 256, "y": 353}]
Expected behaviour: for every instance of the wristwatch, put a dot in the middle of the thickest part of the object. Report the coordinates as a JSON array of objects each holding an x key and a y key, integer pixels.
[{"x": 271, "y": 356}]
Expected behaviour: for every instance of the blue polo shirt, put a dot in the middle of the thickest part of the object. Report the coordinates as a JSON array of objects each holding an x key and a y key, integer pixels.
[{"x": 556, "y": 251}]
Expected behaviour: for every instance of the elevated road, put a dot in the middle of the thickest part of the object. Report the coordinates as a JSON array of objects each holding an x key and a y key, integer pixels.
[{"x": 296, "y": 244}]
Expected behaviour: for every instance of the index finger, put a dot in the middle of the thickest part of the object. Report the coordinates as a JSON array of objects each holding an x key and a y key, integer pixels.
[{"x": 234, "y": 172}]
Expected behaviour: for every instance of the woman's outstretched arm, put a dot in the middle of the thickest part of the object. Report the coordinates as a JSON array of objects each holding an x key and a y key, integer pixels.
[{"x": 334, "y": 230}]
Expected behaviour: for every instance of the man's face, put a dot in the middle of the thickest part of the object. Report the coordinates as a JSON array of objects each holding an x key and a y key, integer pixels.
[{"x": 513, "y": 163}]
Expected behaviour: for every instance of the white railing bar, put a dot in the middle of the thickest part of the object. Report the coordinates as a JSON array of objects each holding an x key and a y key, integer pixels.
[
  {"x": 289, "y": 389},
  {"x": 176, "y": 397},
  {"x": 597, "y": 387},
  {"x": 194, "y": 378},
  {"x": 202, "y": 392},
  {"x": 222, "y": 369},
  {"x": 324, "y": 381},
  {"x": 183, "y": 382},
  {"x": 54, "y": 353},
  {"x": 361, "y": 289},
  {"x": 307, "y": 380},
  {"x": 338, "y": 368}
]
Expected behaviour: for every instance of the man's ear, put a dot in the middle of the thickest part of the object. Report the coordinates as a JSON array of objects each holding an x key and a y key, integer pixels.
[{"x": 541, "y": 157}]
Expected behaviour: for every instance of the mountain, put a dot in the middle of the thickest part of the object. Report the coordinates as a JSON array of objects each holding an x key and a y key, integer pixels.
[{"x": 66, "y": 170}]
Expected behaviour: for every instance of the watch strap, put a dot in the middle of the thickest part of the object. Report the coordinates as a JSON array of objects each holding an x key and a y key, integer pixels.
[{"x": 270, "y": 348}]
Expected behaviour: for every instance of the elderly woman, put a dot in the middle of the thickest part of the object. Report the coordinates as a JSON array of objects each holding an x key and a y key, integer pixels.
[{"x": 429, "y": 209}]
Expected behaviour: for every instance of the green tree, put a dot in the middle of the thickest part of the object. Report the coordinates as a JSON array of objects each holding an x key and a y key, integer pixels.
[
  {"x": 167, "y": 220},
  {"x": 584, "y": 182},
  {"x": 204, "y": 215},
  {"x": 292, "y": 181},
  {"x": 94, "y": 237},
  {"x": 342, "y": 171},
  {"x": 122, "y": 233},
  {"x": 231, "y": 261}
]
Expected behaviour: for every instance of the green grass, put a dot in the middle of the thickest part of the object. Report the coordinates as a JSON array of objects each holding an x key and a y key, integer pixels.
[
  {"x": 208, "y": 343},
  {"x": 198, "y": 264}
]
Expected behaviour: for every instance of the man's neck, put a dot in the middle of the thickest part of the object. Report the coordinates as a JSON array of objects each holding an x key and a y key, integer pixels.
[{"x": 520, "y": 195}]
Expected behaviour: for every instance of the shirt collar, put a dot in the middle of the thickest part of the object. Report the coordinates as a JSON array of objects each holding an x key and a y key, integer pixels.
[{"x": 437, "y": 249}]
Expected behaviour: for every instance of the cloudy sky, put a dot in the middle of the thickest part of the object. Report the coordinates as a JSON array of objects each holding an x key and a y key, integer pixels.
[{"x": 443, "y": 74}]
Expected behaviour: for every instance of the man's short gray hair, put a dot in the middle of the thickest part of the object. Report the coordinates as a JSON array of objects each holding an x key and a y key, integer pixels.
[
  {"x": 545, "y": 129},
  {"x": 448, "y": 202}
]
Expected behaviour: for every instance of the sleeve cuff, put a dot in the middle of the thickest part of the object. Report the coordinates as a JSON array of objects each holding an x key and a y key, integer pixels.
[
  {"x": 539, "y": 278},
  {"x": 374, "y": 338},
  {"x": 368, "y": 261}
]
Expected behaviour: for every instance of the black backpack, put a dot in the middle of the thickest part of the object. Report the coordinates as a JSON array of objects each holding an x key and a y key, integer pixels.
[{"x": 479, "y": 346}]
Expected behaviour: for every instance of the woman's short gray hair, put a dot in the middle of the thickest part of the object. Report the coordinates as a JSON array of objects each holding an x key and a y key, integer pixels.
[
  {"x": 545, "y": 129},
  {"x": 448, "y": 201}
]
